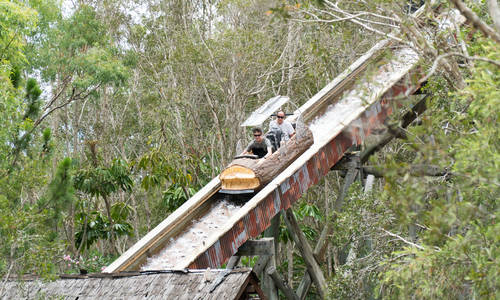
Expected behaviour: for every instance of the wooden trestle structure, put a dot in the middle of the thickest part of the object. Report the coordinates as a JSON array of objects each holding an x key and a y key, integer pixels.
[{"x": 341, "y": 115}]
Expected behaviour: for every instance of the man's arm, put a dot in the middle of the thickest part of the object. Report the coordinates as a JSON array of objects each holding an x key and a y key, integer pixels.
[
  {"x": 269, "y": 148},
  {"x": 291, "y": 131},
  {"x": 247, "y": 149},
  {"x": 269, "y": 152}
]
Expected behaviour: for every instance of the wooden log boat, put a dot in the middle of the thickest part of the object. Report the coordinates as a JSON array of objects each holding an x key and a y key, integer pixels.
[{"x": 248, "y": 174}]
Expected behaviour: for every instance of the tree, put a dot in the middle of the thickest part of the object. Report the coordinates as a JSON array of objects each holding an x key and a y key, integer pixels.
[
  {"x": 102, "y": 182},
  {"x": 458, "y": 254}
]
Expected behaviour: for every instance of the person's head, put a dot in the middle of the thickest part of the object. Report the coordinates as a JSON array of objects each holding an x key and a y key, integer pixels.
[
  {"x": 280, "y": 117},
  {"x": 257, "y": 134}
]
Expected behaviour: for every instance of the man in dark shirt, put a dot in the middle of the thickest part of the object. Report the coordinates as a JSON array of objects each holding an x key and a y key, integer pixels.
[{"x": 260, "y": 146}]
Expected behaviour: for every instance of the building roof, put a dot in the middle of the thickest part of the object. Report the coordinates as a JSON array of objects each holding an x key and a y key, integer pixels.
[{"x": 187, "y": 284}]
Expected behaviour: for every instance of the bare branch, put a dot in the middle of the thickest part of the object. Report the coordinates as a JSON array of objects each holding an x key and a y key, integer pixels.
[
  {"x": 348, "y": 18},
  {"x": 443, "y": 56},
  {"x": 476, "y": 21},
  {"x": 336, "y": 8},
  {"x": 353, "y": 19},
  {"x": 58, "y": 94},
  {"x": 403, "y": 239},
  {"x": 74, "y": 96}
]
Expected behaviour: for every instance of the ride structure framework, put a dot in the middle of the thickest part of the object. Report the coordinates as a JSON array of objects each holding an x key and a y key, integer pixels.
[{"x": 341, "y": 115}]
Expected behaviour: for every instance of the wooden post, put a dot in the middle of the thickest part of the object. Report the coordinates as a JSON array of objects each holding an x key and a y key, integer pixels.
[
  {"x": 233, "y": 261},
  {"x": 281, "y": 284},
  {"x": 306, "y": 251},
  {"x": 260, "y": 265},
  {"x": 268, "y": 285},
  {"x": 265, "y": 249},
  {"x": 319, "y": 250},
  {"x": 351, "y": 175}
]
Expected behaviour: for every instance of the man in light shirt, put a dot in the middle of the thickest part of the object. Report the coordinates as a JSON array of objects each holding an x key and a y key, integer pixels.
[{"x": 286, "y": 127}]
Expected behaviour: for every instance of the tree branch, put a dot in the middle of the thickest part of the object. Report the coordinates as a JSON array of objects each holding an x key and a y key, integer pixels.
[
  {"x": 442, "y": 56},
  {"x": 352, "y": 18},
  {"x": 476, "y": 21},
  {"x": 403, "y": 239},
  {"x": 58, "y": 94},
  {"x": 72, "y": 98}
]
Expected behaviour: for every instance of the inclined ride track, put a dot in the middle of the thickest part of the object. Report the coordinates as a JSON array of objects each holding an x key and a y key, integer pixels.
[{"x": 207, "y": 230}]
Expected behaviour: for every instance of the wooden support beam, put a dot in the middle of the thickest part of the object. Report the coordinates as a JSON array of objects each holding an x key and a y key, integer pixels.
[
  {"x": 259, "y": 291},
  {"x": 304, "y": 286},
  {"x": 265, "y": 249},
  {"x": 261, "y": 264},
  {"x": 353, "y": 165},
  {"x": 305, "y": 249},
  {"x": 318, "y": 253},
  {"x": 352, "y": 172},
  {"x": 414, "y": 170},
  {"x": 233, "y": 261},
  {"x": 263, "y": 246},
  {"x": 268, "y": 285},
  {"x": 406, "y": 120},
  {"x": 274, "y": 231},
  {"x": 281, "y": 284}
]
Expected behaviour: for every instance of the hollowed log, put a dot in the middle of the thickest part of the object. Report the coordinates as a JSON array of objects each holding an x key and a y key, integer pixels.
[{"x": 253, "y": 174}]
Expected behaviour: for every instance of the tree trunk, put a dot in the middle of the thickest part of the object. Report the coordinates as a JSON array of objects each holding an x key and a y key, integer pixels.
[{"x": 111, "y": 225}]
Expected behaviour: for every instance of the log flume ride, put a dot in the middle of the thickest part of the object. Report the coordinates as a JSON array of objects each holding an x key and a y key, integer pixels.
[{"x": 208, "y": 229}]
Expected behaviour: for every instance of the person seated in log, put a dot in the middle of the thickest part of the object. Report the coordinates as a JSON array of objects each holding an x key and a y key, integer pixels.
[
  {"x": 260, "y": 146},
  {"x": 283, "y": 125}
]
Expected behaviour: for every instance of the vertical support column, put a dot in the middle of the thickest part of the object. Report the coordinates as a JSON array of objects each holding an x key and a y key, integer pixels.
[
  {"x": 274, "y": 231},
  {"x": 268, "y": 285}
]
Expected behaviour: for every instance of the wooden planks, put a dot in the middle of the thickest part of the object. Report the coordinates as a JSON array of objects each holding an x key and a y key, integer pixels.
[{"x": 166, "y": 285}]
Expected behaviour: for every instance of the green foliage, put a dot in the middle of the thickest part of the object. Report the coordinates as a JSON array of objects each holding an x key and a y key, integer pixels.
[
  {"x": 47, "y": 145},
  {"x": 80, "y": 50},
  {"x": 26, "y": 244},
  {"x": 175, "y": 196},
  {"x": 93, "y": 225},
  {"x": 61, "y": 193},
  {"x": 33, "y": 102},
  {"x": 23, "y": 136},
  {"x": 161, "y": 169},
  {"x": 305, "y": 210},
  {"x": 103, "y": 181},
  {"x": 16, "y": 19},
  {"x": 357, "y": 228},
  {"x": 458, "y": 216},
  {"x": 465, "y": 265}
]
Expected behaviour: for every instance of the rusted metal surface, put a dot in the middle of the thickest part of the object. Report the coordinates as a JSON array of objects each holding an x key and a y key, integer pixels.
[{"x": 259, "y": 218}]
